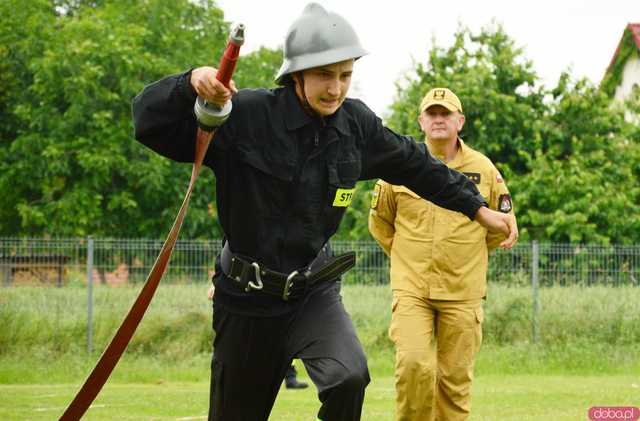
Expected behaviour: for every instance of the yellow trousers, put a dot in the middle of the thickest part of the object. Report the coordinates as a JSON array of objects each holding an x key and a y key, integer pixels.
[{"x": 436, "y": 344}]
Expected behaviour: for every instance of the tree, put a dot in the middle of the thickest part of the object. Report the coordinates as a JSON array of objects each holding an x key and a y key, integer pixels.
[
  {"x": 258, "y": 69},
  {"x": 70, "y": 165},
  {"x": 583, "y": 187},
  {"x": 17, "y": 47},
  {"x": 571, "y": 160},
  {"x": 498, "y": 89}
]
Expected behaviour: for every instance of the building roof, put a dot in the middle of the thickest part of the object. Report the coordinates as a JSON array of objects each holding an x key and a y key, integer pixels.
[{"x": 634, "y": 29}]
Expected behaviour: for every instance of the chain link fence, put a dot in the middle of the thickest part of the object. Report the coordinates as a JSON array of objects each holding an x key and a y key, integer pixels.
[
  {"x": 566, "y": 264},
  {"x": 63, "y": 261},
  {"x": 106, "y": 261}
]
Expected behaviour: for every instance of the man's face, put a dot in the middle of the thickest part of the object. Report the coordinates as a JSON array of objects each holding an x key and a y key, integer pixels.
[
  {"x": 438, "y": 123},
  {"x": 326, "y": 86}
]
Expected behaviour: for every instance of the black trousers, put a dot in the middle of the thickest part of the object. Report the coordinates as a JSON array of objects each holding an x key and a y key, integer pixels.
[{"x": 252, "y": 354}]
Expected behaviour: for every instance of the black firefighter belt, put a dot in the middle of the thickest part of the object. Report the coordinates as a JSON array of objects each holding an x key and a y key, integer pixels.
[{"x": 250, "y": 275}]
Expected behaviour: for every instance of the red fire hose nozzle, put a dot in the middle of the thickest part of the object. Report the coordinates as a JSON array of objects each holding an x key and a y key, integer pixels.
[{"x": 211, "y": 116}]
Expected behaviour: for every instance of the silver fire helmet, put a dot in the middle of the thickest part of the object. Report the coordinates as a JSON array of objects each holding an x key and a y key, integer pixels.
[{"x": 318, "y": 38}]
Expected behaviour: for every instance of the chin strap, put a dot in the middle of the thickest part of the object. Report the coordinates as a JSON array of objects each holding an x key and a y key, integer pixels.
[{"x": 299, "y": 77}]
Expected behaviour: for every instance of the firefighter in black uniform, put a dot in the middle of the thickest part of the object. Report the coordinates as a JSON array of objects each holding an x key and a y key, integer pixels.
[{"x": 286, "y": 163}]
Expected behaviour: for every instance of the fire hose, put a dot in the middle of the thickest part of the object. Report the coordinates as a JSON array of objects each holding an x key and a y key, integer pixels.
[{"x": 209, "y": 116}]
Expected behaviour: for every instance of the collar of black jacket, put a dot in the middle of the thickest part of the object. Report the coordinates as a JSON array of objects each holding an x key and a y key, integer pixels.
[{"x": 295, "y": 116}]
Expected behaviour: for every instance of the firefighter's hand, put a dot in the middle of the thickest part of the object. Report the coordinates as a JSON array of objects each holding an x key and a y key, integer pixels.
[
  {"x": 504, "y": 223},
  {"x": 204, "y": 82},
  {"x": 211, "y": 292}
]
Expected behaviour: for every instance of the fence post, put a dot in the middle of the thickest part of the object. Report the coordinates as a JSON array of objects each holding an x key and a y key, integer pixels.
[
  {"x": 535, "y": 260},
  {"x": 89, "y": 294}
]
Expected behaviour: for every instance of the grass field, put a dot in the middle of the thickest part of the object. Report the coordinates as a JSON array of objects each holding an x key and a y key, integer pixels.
[
  {"x": 500, "y": 398},
  {"x": 588, "y": 354}
]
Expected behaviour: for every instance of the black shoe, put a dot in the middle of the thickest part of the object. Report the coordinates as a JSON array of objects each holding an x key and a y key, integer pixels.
[{"x": 293, "y": 383}]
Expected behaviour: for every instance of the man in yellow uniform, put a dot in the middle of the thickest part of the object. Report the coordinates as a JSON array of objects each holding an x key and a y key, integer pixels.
[{"x": 438, "y": 272}]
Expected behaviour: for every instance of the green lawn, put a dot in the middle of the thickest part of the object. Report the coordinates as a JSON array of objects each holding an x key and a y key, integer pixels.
[
  {"x": 588, "y": 354},
  {"x": 513, "y": 397}
]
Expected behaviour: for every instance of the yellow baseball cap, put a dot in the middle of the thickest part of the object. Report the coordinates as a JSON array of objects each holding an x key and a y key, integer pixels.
[{"x": 441, "y": 96}]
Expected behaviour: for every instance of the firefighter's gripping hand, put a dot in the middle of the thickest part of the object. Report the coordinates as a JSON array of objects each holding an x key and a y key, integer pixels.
[
  {"x": 204, "y": 82},
  {"x": 499, "y": 222}
]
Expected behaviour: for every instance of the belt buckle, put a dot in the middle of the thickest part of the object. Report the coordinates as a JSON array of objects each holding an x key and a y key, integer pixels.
[
  {"x": 287, "y": 285},
  {"x": 258, "y": 284}
]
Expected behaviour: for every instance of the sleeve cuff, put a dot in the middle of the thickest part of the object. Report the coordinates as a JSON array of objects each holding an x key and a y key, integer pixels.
[
  {"x": 184, "y": 89},
  {"x": 475, "y": 203}
]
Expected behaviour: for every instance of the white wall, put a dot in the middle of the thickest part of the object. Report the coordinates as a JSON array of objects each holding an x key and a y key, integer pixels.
[{"x": 630, "y": 77}]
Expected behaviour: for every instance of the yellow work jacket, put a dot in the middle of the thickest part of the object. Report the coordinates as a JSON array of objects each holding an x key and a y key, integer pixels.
[{"x": 438, "y": 253}]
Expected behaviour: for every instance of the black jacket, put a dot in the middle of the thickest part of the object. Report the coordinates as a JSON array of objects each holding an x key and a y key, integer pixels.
[{"x": 281, "y": 175}]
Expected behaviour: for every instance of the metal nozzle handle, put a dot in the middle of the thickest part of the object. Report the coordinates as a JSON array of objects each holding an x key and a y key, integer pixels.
[
  {"x": 211, "y": 116},
  {"x": 237, "y": 34}
]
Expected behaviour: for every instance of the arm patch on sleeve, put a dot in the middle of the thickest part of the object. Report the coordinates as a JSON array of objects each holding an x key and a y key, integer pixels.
[
  {"x": 504, "y": 203},
  {"x": 375, "y": 195}
]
